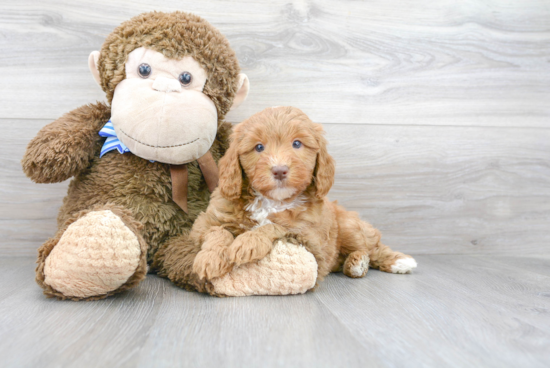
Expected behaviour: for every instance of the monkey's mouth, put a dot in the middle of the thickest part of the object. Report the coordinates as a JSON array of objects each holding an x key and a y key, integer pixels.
[{"x": 150, "y": 145}]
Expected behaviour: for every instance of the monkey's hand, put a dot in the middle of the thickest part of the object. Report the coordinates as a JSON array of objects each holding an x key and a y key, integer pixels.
[{"x": 63, "y": 148}]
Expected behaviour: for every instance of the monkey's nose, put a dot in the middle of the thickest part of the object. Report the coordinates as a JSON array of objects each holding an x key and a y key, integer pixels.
[
  {"x": 163, "y": 84},
  {"x": 279, "y": 172}
]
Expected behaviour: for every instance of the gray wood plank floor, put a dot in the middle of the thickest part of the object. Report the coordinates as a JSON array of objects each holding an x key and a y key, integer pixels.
[
  {"x": 362, "y": 62},
  {"x": 454, "y": 311}
]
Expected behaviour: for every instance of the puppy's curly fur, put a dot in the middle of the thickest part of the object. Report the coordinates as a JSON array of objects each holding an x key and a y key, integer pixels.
[{"x": 273, "y": 184}]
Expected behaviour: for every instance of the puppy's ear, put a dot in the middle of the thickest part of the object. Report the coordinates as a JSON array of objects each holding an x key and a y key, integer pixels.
[
  {"x": 324, "y": 168},
  {"x": 231, "y": 175}
]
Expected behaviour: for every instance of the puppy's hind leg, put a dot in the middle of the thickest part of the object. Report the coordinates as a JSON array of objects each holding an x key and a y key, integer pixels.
[
  {"x": 357, "y": 237},
  {"x": 356, "y": 264},
  {"x": 385, "y": 259}
]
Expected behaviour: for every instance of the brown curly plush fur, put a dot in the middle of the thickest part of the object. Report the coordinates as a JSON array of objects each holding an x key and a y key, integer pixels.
[
  {"x": 228, "y": 236},
  {"x": 225, "y": 236},
  {"x": 175, "y": 35},
  {"x": 138, "y": 191},
  {"x": 70, "y": 146}
]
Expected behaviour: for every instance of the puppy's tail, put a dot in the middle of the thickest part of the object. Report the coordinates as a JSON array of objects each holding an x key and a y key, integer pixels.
[{"x": 385, "y": 259}]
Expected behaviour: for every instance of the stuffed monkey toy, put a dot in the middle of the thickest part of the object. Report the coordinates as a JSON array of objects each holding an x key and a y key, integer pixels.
[{"x": 144, "y": 165}]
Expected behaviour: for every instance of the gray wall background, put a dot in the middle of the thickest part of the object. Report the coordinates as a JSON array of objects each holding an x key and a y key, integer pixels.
[{"x": 437, "y": 112}]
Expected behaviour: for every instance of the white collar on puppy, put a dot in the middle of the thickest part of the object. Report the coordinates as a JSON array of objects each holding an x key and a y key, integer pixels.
[{"x": 262, "y": 207}]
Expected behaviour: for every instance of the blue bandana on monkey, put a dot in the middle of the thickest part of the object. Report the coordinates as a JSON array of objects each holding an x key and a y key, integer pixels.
[{"x": 112, "y": 142}]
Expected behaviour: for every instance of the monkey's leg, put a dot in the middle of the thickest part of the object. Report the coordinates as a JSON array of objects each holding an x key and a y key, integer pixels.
[
  {"x": 287, "y": 269},
  {"x": 97, "y": 253},
  {"x": 174, "y": 260}
]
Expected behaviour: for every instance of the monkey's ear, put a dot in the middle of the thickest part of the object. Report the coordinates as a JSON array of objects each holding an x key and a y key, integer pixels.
[
  {"x": 92, "y": 64},
  {"x": 243, "y": 86}
]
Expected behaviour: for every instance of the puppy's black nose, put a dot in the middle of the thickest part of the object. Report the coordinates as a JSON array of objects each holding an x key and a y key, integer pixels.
[{"x": 279, "y": 172}]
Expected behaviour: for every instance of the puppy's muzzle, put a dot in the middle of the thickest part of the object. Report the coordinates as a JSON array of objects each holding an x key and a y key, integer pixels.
[{"x": 280, "y": 172}]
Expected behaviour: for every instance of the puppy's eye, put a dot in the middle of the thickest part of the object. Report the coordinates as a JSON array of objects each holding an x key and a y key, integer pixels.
[
  {"x": 296, "y": 144},
  {"x": 144, "y": 70},
  {"x": 259, "y": 147},
  {"x": 185, "y": 78}
]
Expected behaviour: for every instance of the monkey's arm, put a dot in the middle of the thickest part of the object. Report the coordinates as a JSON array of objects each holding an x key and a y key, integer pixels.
[{"x": 63, "y": 148}]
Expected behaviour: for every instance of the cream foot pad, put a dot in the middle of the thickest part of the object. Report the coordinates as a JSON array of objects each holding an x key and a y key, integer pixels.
[
  {"x": 96, "y": 254},
  {"x": 288, "y": 269}
]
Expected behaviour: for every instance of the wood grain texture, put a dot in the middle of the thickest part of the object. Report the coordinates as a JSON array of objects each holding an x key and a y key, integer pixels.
[
  {"x": 455, "y": 311},
  {"x": 355, "y": 62},
  {"x": 428, "y": 189},
  {"x": 447, "y": 189},
  {"x": 466, "y": 312},
  {"x": 437, "y": 115},
  {"x": 538, "y": 264},
  {"x": 398, "y": 86}
]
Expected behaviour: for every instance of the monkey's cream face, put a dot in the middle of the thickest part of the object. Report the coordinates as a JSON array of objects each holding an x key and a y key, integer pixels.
[{"x": 160, "y": 112}]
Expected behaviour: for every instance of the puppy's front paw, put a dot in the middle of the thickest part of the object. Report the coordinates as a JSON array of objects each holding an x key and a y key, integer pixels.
[
  {"x": 248, "y": 247},
  {"x": 208, "y": 265}
]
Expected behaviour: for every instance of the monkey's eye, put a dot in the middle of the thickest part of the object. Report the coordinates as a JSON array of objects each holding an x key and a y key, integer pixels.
[
  {"x": 259, "y": 147},
  {"x": 185, "y": 78},
  {"x": 296, "y": 144},
  {"x": 144, "y": 70}
]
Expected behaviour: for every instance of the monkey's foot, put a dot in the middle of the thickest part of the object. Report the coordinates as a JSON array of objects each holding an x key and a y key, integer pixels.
[
  {"x": 96, "y": 255},
  {"x": 288, "y": 269}
]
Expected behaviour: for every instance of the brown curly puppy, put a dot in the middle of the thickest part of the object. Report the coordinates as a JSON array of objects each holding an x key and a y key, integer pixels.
[{"x": 274, "y": 179}]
